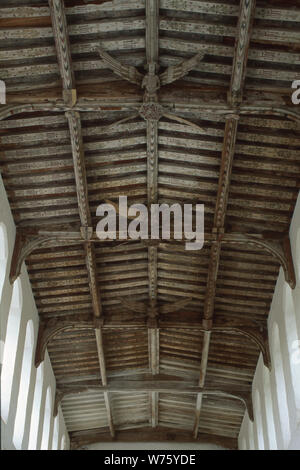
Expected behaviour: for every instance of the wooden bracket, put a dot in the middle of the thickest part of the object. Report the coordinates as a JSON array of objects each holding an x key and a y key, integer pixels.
[
  {"x": 279, "y": 248},
  {"x": 25, "y": 243},
  {"x": 50, "y": 328},
  {"x": 260, "y": 338}
]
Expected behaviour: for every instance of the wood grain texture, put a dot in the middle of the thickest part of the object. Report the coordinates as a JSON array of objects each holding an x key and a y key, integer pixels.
[{"x": 208, "y": 120}]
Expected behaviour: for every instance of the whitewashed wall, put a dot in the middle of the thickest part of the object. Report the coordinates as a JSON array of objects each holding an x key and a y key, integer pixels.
[
  {"x": 276, "y": 394},
  {"x": 28, "y": 312}
]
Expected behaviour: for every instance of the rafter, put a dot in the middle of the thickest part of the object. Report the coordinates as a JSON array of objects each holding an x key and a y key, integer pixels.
[{"x": 246, "y": 17}]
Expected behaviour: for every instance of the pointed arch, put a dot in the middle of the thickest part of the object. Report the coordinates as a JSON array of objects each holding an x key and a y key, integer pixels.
[
  {"x": 10, "y": 349},
  {"x": 3, "y": 256},
  {"x": 37, "y": 401},
  {"x": 293, "y": 341},
  {"x": 251, "y": 435},
  {"x": 55, "y": 434},
  {"x": 258, "y": 420},
  {"x": 63, "y": 443},
  {"x": 47, "y": 420},
  {"x": 280, "y": 385},
  {"x": 26, "y": 369},
  {"x": 268, "y": 399},
  {"x": 297, "y": 267}
]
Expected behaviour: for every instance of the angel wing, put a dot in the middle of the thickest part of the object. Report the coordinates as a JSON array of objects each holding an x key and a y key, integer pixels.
[
  {"x": 175, "y": 72},
  {"x": 128, "y": 72},
  {"x": 174, "y": 117},
  {"x": 174, "y": 306},
  {"x": 136, "y": 307}
]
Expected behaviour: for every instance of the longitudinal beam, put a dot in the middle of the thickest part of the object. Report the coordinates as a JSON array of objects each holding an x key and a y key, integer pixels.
[
  {"x": 235, "y": 95},
  {"x": 152, "y": 19},
  {"x": 245, "y": 23},
  {"x": 60, "y": 30},
  {"x": 219, "y": 218},
  {"x": 61, "y": 36},
  {"x": 85, "y": 218}
]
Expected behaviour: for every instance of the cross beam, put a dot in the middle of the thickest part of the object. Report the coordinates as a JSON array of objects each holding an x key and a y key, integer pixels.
[
  {"x": 30, "y": 239},
  {"x": 48, "y": 329},
  {"x": 200, "y": 106},
  {"x": 164, "y": 385}
]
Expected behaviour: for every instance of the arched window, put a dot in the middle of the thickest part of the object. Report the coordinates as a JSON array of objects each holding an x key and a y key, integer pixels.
[
  {"x": 3, "y": 255},
  {"x": 47, "y": 421},
  {"x": 24, "y": 387},
  {"x": 243, "y": 444},
  {"x": 55, "y": 434},
  {"x": 258, "y": 421},
  {"x": 35, "y": 416},
  {"x": 269, "y": 409},
  {"x": 251, "y": 436},
  {"x": 292, "y": 341},
  {"x": 1, "y": 351},
  {"x": 280, "y": 385},
  {"x": 63, "y": 443},
  {"x": 10, "y": 348},
  {"x": 297, "y": 267}
]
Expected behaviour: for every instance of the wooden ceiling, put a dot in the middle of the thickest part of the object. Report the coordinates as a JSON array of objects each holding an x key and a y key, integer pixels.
[{"x": 87, "y": 119}]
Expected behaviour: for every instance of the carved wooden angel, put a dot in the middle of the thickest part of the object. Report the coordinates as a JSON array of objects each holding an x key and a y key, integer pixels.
[{"x": 151, "y": 81}]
